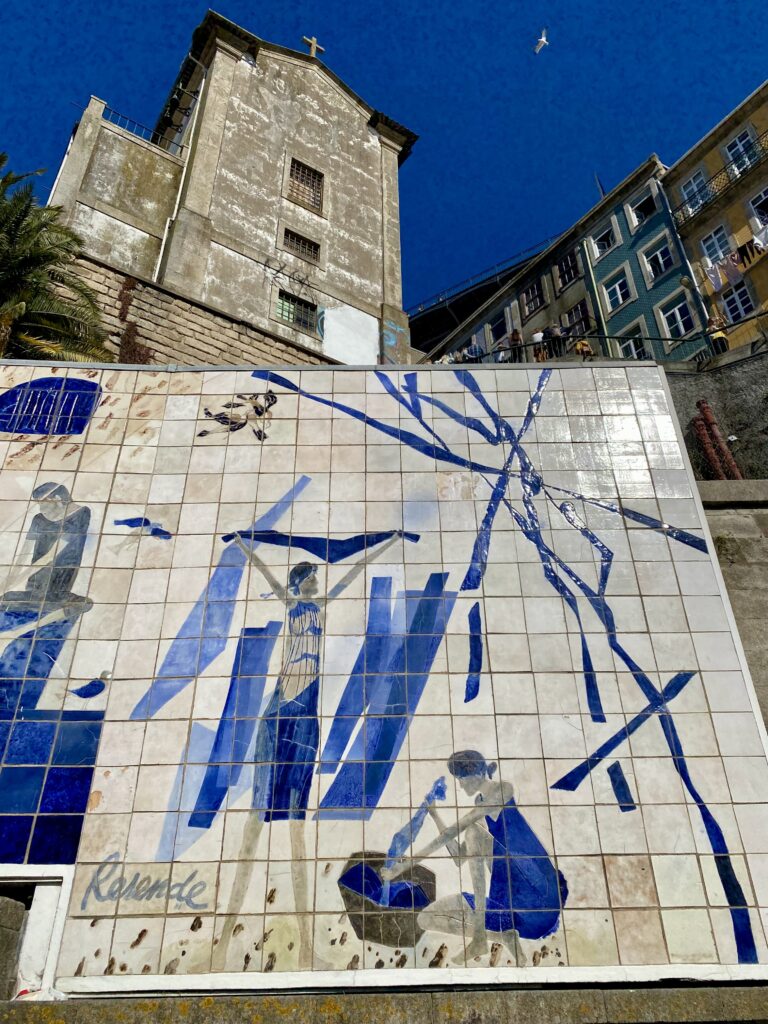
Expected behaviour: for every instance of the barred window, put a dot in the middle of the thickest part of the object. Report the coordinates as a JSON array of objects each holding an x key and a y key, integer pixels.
[
  {"x": 301, "y": 246},
  {"x": 305, "y": 186},
  {"x": 296, "y": 311}
]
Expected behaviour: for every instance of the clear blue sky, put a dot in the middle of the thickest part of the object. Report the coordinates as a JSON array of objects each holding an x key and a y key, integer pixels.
[{"x": 509, "y": 142}]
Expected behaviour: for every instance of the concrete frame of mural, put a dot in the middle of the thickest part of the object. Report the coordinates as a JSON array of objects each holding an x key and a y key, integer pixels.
[{"x": 365, "y": 977}]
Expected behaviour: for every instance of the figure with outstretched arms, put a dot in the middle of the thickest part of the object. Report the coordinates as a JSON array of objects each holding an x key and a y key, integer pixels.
[{"x": 288, "y": 735}]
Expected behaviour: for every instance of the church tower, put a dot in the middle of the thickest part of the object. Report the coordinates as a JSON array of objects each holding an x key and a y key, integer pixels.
[{"x": 267, "y": 191}]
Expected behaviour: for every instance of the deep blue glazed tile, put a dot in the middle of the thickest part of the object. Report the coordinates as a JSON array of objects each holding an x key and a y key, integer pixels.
[
  {"x": 76, "y": 743},
  {"x": 5, "y": 728},
  {"x": 66, "y": 790},
  {"x": 55, "y": 839},
  {"x": 54, "y": 405},
  {"x": 14, "y": 836},
  {"x": 30, "y": 693},
  {"x": 81, "y": 716},
  {"x": 31, "y": 743},
  {"x": 20, "y": 789}
]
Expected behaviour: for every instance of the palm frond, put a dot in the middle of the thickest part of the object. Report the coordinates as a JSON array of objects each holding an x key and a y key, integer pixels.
[{"x": 48, "y": 310}]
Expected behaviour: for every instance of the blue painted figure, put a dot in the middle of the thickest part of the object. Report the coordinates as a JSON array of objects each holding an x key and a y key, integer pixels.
[
  {"x": 526, "y": 891},
  {"x": 288, "y": 736},
  {"x": 48, "y": 763},
  {"x": 286, "y": 746},
  {"x": 50, "y": 559}
]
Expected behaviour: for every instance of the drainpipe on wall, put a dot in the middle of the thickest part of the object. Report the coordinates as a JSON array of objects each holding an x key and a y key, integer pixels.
[
  {"x": 723, "y": 451},
  {"x": 684, "y": 261},
  {"x": 593, "y": 287},
  {"x": 700, "y": 428},
  {"x": 185, "y": 170}
]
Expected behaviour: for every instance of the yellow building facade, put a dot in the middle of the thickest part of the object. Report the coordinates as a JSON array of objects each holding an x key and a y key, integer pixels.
[{"x": 718, "y": 192}]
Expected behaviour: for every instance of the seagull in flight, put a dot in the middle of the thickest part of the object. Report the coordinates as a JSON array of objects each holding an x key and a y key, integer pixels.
[{"x": 542, "y": 42}]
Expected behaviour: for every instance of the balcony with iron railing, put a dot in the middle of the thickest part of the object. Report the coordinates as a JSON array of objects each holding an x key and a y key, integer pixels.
[
  {"x": 150, "y": 135},
  {"x": 699, "y": 346},
  {"x": 723, "y": 182}
]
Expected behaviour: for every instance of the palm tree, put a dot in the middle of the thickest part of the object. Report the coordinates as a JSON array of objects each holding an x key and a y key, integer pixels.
[{"x": 47, "y": 311}]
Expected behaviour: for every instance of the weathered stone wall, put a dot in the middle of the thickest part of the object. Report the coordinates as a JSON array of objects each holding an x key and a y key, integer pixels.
[
  {"x": 12, "y": 915},
  {"x": 688, "y": 1005},
  {"x": 741, "y": 542},
  {"x": 117, "y": 192},
  {"x": 736, "y": 387},
  {"x": 150, "y": 324}
]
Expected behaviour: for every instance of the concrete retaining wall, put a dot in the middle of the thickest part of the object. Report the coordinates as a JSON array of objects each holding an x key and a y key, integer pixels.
[
  {"x": 536, "y": 1006},
  {"x": 741, "y": 541},
  {"x": 736, "y": 387}
]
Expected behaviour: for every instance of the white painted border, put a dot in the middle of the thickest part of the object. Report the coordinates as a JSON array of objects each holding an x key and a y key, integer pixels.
[
  {"x": 422, "y": 977},
  {"x": 63, "y": 874}
]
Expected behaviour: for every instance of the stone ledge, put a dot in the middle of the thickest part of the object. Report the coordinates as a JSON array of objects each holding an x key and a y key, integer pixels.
[
  {"x": 691, "y": 1004},
  {"x": 733, "y": 493}
]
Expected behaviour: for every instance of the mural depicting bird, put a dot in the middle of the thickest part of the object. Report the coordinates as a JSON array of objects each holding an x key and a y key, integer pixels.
[
  {"x": 142, "y": 526},
  {"x": 542, "y": 42}
]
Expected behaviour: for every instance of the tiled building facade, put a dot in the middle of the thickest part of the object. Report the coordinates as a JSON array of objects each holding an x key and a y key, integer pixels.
[
  {"x": 619, "y": 277},
  {"x": 719, "y": 191}
]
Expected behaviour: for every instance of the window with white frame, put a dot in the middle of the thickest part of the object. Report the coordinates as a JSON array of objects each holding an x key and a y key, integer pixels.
[
  {"x": 632, "y": 344},
  {"x": 694, "y": 191},
  {"x": 604, "y": 241},
  {"x": 716, "y": 245},
  {"x": 568, "y": 268},
  {"x": 617, "y": 291},
  {"x": 533, "y": 297},
  {"x": 759, "y": 204},
  {"x": 741, "y": 151},
  {"x": 643, "y": 208},
  {"x": 678, "y": 317},
  {"x": 659, "y": 258},
  {"x": 738, "y": 303}
]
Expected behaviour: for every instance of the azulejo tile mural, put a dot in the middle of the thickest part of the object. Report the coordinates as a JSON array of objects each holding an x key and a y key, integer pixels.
[{"x": 336, "y": 670}]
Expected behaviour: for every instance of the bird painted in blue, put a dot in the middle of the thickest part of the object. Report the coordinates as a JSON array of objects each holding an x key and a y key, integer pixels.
[
  {"x": 145, "y": 526},
  {"x": 92, "y": 689}
]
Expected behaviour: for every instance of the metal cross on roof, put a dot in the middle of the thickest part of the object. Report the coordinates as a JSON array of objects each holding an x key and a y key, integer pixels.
[{"x": 314, "y": 46}]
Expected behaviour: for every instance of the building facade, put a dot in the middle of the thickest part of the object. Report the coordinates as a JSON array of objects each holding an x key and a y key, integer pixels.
[
  {"x": 719, "y": 194},
  {"x": 267, "y": 190},
  {"x": 619, "y": 278}
]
